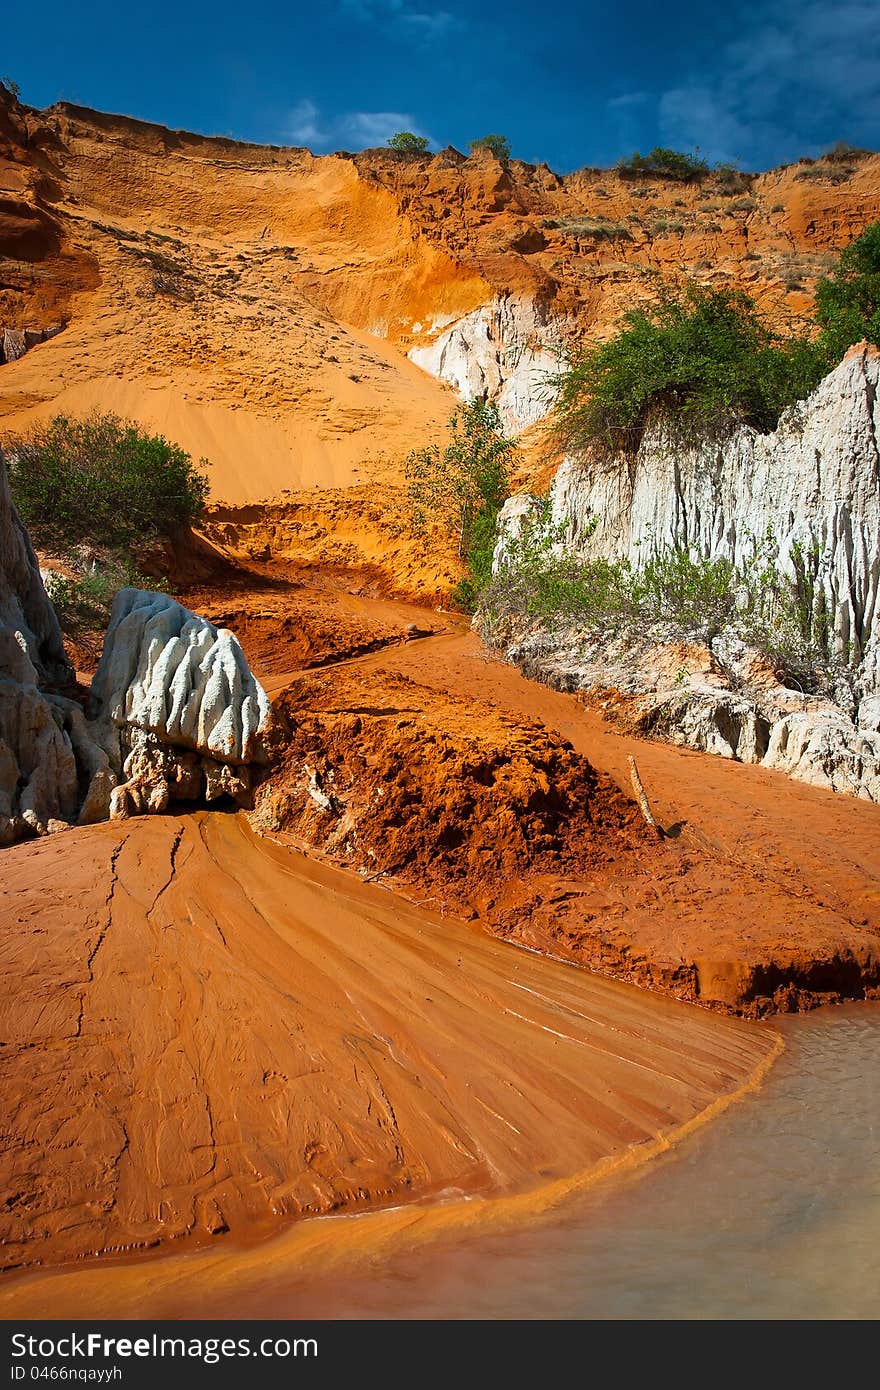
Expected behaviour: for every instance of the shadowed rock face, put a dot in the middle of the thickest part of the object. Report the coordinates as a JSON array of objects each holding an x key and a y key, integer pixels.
[
  {"x": 39, "y": 785},
  {"x": 814, "y": 482},
  {"x": 25, "y": 608},
  {"x": 177, "y": 714}
]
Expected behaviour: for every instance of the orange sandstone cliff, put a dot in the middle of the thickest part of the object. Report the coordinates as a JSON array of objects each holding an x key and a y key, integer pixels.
[{"x": 287, "y": 316}]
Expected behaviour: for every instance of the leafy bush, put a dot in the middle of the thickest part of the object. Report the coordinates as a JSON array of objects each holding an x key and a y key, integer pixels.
[
  {"x": 848, "y": 299},
  {"x": 589, "y": 228},
  {"x": 407, "y": 143},
  {"x": 664, "y": 225},
  {"x": 684, "y": 593},
  {"x": 498, "y": 144},
  {"x": 83, "y": 601},
  {"x": 11, "y": 86},
  {"x": 843, "y": 150},
  {"x": 664, "y": 163},
  {"x": 742, "y": 205},
  {"x": 826, "y": 171},
  {"x": 730, "y": 178},
  {"x": 703, "y": 357},
  {"x": 463, "y": 487},
  {"x": 102, "y": 481}
]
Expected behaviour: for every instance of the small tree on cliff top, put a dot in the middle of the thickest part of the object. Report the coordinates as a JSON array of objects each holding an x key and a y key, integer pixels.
[
  {"x": 498, "y": 144},
  {"x": 405, "y": 142}
]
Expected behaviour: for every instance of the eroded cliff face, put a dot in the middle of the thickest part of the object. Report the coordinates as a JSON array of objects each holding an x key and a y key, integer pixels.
[
  {"x": 304, "y": 322},
  {"x": 813, "y": 487},
  {"x": 39, "y": 734}
]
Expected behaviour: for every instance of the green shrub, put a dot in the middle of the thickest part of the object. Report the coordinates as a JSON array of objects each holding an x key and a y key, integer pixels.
[
  {"x": 742, "y": 205},
  {"x": 498, "y": 144},
  {"x": 842, "y": 150},
  {"x": 462, "y": 488},
  {"x": 664, "y": 163},
  {"x": 83, "y": 601},
  {"x": 826, "y": 171},
  {"x": 703, "y": 357},
  {"x": 730, "y": 178},
  {"x": 11, "y": 86},
  {"x": 664, "y": 225},
  {"x": 848, "y": 298},
  {"x": 589, "y": 228},
  {"x": 407, "y": 143},
  {"x": 691, "y": 595},
  {"x": 102, "y": 481}
]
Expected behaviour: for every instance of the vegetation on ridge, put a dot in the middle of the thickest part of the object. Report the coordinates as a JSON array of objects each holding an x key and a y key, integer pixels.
[
  {"x": 499, "y": 145},
  {"x": 704, "y": 359},
  {"x": 405, "y": 142},
  {"x": 664, "y": 163},
  {"x": 848, "y": 298}
]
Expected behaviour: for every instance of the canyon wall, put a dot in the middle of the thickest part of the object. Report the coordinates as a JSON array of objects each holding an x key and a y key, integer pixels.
[{"x": 811, "y": 489}]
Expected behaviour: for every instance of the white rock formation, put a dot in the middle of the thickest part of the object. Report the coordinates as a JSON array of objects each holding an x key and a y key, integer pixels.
[
  {"x": 176, "y": 713},
  {"x": 814, "y": 483},
  {"x": 505, "y": 351},
  {"x": 180, "y": 712}
]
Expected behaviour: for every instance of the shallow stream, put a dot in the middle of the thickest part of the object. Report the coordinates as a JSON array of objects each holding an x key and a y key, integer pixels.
[{"x": 772, "y": 1211}]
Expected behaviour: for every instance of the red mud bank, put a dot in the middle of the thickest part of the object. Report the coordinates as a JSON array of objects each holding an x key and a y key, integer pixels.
[
  {"x": 206, "y": 1032},
  {"x": 415, "y": 757},
  {"x": 765, "y": 898}
]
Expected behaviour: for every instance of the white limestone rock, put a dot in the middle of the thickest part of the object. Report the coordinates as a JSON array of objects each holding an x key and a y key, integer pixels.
[
  {"x": 814, "y": 482},
  {"x": 827, "y": 752},
  {"x": 180, "y": 713},
  {"x": 177, "y": 677},
  {"x": 504, "y": 351}
]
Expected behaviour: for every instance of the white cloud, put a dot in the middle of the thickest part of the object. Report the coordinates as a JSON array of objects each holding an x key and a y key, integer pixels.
[
  {"x": 358, "y": 129},
  {"x": 399, "y": 15},
  {"x": 303, "y": 126},
  {"x": 791, "y": 81}
]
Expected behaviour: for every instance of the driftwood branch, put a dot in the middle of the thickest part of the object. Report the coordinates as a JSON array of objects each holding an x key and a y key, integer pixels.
[{"x": 642, "y": 798}]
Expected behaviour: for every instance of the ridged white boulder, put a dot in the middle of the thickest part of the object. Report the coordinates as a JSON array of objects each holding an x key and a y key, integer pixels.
[{"x": 179, "y": 678}]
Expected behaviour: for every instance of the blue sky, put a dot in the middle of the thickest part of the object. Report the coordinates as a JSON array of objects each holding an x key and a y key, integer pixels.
[{"x": 572, "y": 84}]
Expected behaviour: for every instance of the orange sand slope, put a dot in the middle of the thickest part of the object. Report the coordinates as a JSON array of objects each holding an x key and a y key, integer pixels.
[
  {"x": 257, "y": 303},
  {"x": 207, "y": 1031}
]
